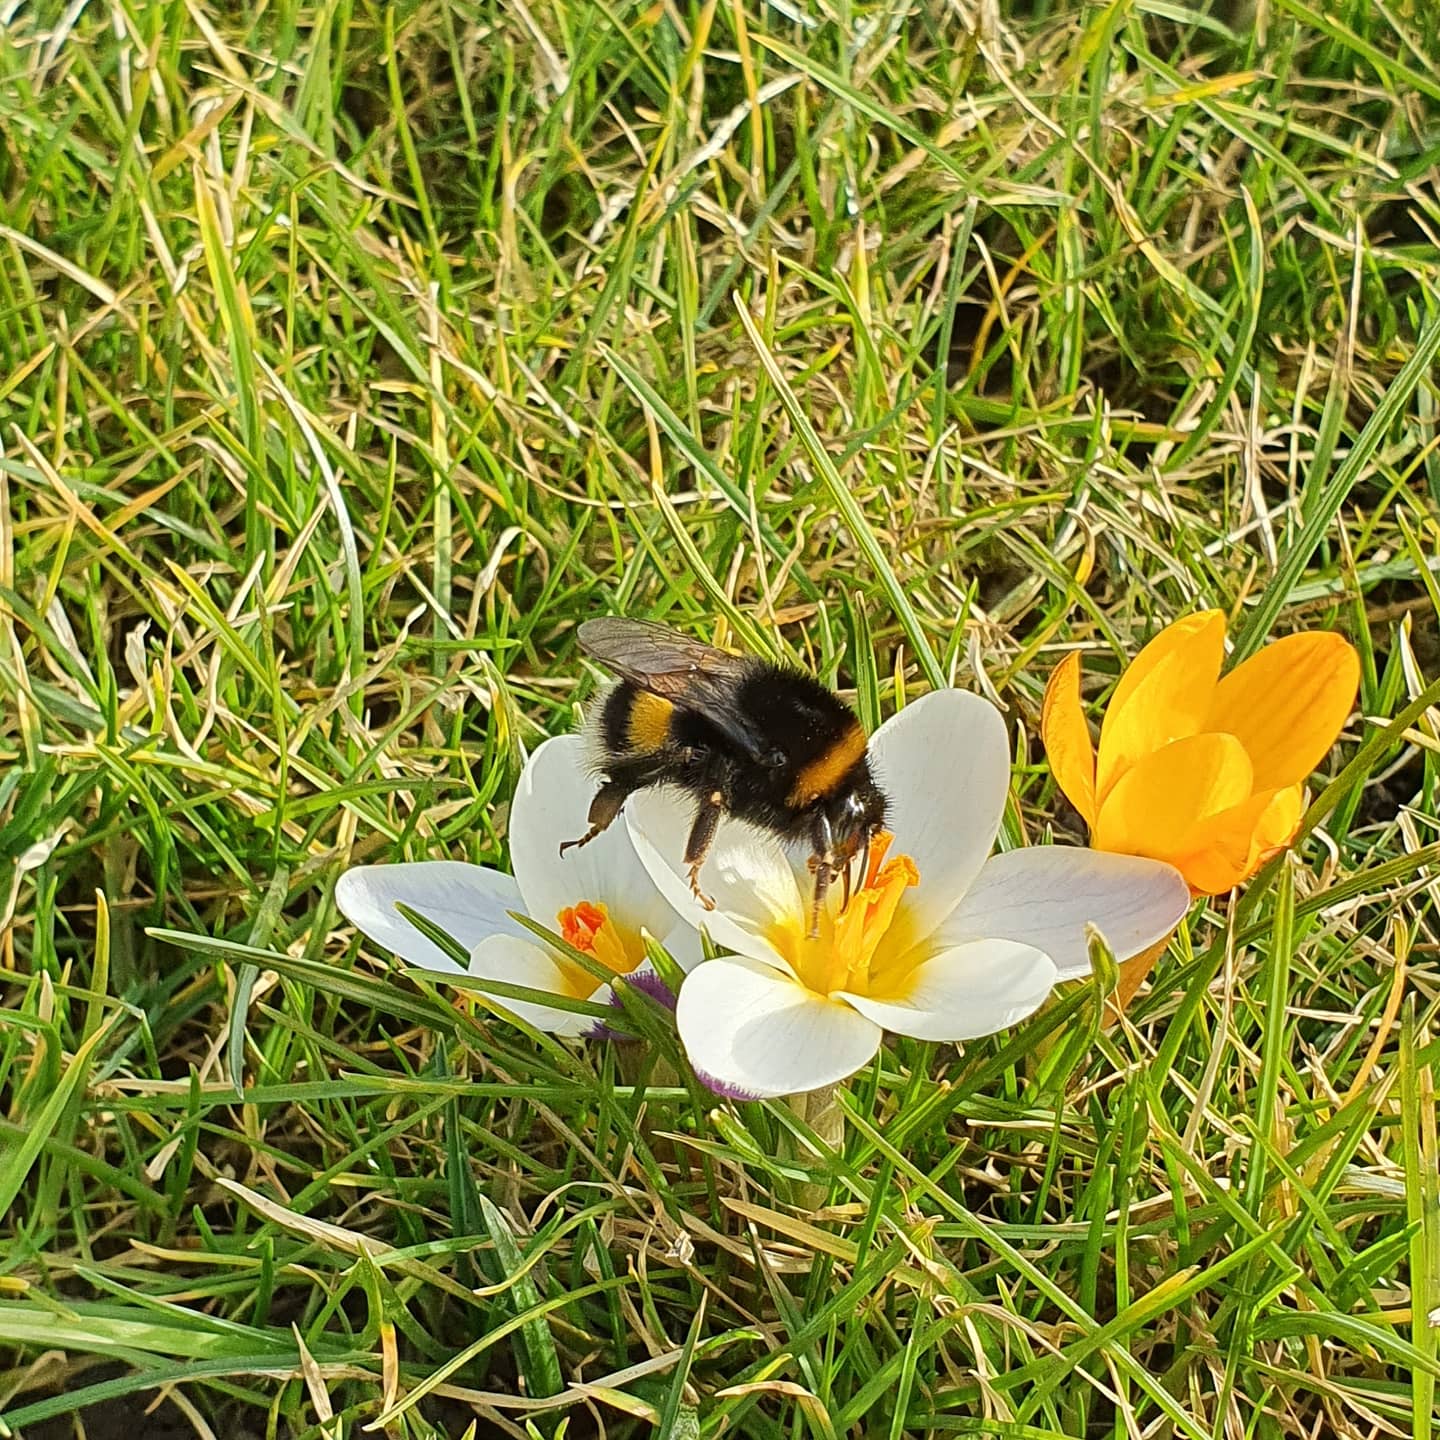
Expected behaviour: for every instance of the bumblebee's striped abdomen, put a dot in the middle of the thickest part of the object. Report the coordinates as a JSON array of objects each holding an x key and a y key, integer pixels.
[
  {"x": 822, "y": 775},
  {"x": 634, "y": 721},
  {"x": 648, "y": 727}
]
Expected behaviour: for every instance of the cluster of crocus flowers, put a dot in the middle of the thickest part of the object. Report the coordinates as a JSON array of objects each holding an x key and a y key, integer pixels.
[
  {"x": 1204, "y": 772},
  {"x": 1197, "y": 780}
]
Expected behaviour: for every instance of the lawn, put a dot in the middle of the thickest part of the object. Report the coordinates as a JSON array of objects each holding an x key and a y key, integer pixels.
[{"x": 352, "y": 354}]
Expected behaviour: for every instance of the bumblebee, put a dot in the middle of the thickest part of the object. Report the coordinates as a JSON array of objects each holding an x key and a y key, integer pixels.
[{"x": 761, "y": 742}]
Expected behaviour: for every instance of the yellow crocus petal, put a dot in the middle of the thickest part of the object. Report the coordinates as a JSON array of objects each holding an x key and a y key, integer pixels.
[
  {"x": 1133, "y": 974},
  {"x": 1067, "y": 737},
  {"x": 1228, "y": 848},
  {"x": 1163, "y": 695},
  {"x": 1287, "y": 704},
  {"x": 1157, "y": 804},
  {"x": 1277, "y": 825}
]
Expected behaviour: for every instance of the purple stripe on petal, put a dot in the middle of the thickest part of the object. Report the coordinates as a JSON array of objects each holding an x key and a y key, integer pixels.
[
  {"x": 645, "y": 980},
  {"x": 653, "y": 986},
  {"x": 723, "y": 1088},
  {"x": 599, "y": 1030}
]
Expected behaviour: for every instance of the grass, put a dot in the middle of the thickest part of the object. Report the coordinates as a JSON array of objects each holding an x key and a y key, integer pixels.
[{"x": 350, "y": 355}]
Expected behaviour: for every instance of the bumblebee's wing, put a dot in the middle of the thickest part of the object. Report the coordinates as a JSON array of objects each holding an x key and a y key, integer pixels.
[
  {"x": 688, "y": 674},
  {"x": 643, "y": 652}
]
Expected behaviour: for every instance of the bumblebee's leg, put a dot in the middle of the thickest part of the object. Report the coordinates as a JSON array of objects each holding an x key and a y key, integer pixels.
[
  {"x": 824, "y": 873},
  {"x": 702, "y": 836},
  {"x": 624, "y": 778},
  {"x": 822, "y": 866},
  {"x": 608, "y": 802}
]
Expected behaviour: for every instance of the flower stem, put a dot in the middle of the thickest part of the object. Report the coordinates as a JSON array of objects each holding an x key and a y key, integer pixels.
[
  {"x": 632, "y": 1060},
  {"x": 822, "y": 1112},
  {"x": 637, "y": 1062}
]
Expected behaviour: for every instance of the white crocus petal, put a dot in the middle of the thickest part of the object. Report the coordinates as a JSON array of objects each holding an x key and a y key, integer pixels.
[
  {"x": 468, "y": 902},
  {"x": 944, "y": 765},
  {"x": 521, "y": 962},
  {"x": 963, "y": 993},
  {"x": 550, "y": 807},
  {"x": 753, "y": 1033},
  {"x": 1046, "y": 895},
  {"x": 746, "y": 874}
]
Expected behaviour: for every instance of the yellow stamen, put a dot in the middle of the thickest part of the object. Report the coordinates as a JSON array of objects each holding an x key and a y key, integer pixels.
[
  {"x": 839, "y": 956},
  {"x": 588, "y": 927},
  {"x": 862, "y": 926}
]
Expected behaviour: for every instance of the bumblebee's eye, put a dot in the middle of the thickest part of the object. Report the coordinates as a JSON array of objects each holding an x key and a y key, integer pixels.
[{"x": 775, "y": 759}]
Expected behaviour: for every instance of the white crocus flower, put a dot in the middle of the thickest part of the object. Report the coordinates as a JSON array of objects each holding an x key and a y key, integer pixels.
[
  {"x": 939, "y": 942},
  {"x": 598, "y": 897}
]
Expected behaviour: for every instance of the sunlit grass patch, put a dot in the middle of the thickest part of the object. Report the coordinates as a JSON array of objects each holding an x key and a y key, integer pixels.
[{"x": 349, "y": 358}]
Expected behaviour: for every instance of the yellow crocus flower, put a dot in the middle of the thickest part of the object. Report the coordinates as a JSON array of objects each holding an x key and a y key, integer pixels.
[{"x": 1203, "y": 772}]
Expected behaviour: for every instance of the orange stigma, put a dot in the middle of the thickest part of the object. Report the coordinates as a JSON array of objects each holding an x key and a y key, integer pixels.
[
  {"x": 880, "y": 844},
  {"x": 588, "y": 927}
]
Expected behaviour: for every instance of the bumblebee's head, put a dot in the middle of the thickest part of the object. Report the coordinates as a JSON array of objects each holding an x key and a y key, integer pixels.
[
  {"x": 845, "y": 823},
  {"x": 856, "y": 816}
]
